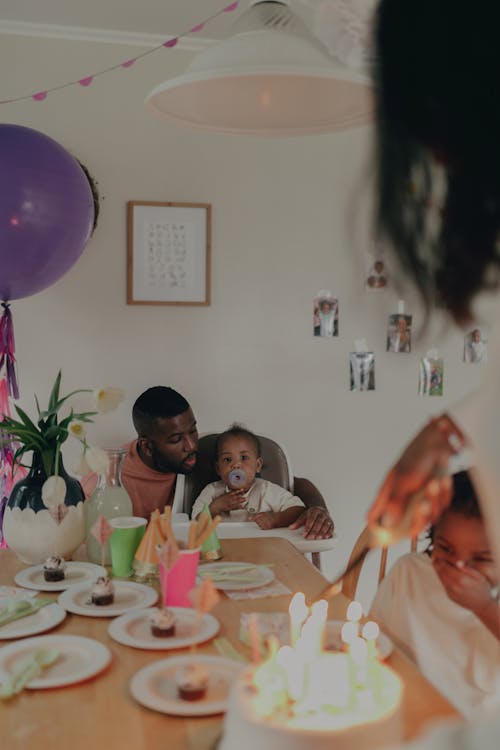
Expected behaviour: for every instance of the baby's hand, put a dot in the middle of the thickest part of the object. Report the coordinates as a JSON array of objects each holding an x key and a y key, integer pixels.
[
  {"x": 465, "y": 586},
  {"x": 227, "y": 502},
  {"x": 265, "y": 520}
]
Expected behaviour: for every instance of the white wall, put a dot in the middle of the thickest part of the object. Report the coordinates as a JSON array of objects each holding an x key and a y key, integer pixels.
[{"x": 290, "y": 217}]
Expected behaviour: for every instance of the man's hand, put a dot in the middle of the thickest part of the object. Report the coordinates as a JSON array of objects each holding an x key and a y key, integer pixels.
[
  {"x": 316, "y": 523},
  {"x": 265, "y": 520},
  {"x": 227, "y": 502}
]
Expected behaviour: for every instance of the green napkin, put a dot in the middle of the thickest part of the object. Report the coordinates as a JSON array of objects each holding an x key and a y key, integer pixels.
[
  {"x": 211, "y": 544},
  {"x": 21, "y": 608},
  {"x": 41, "y": 659}
]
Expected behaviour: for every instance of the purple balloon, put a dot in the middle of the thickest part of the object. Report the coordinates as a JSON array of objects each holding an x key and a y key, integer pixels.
[{"x": 46, "y": 211}]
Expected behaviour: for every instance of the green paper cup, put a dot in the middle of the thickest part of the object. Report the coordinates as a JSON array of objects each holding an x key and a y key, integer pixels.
[{"x": 123, "y": 542}]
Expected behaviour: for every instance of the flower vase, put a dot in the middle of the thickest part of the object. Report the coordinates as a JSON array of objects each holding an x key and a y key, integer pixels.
[{"x": 33, "y": 531}]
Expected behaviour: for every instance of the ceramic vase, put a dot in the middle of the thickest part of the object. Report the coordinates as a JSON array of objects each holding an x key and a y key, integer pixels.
[{"x": 33, "y": 531}]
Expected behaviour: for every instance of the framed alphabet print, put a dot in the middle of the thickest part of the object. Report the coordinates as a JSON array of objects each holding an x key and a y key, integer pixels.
[{"x": 168, "y": 253}]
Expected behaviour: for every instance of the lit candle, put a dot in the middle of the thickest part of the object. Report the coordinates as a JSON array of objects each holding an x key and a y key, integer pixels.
[
  {"x": 354, "y": 614},
  {"x": 370, "y": 633},
  {"x": 254, "y": 634},
  {"x": 298, "y": 612}
]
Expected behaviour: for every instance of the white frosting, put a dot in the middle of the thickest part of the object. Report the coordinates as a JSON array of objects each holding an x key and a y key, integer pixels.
[
  {"x": 162, "y": 618},
  {"x": 362, "y": 724},
  {"x": 103, "y": 586},
  {"x": 54, "y": 563},
  {"x": 192, "y": 677}
]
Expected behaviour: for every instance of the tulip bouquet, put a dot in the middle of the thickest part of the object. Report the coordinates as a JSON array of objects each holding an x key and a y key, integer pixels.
[{"x": 46, "y": 436}]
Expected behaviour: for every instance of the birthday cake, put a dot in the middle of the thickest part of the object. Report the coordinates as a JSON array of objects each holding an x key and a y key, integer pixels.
[
  {"x": 302, "y": 696},
  {"x": 342, "y": 721}
]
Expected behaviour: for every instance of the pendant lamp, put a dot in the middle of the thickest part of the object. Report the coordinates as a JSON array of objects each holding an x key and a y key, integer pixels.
[{"x": 270, "y": 77}]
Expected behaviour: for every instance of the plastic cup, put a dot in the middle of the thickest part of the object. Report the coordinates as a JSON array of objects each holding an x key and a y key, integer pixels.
[
  {"x": 123, "y": 542},
  {"x": 180, "y": 579}
]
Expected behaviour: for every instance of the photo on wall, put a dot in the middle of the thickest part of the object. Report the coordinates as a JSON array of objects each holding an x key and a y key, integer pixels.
[
  {"x": 362, "y": 371},
  {"x": 399, "y": 333},
  {"x": 325, "y": 315},
  {"x": 475, "y": 347},
  {"x": 376, "y": 275},
  {"x": 431, "y": 376}
]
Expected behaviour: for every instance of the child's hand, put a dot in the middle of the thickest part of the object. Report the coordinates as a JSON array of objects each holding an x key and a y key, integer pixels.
[
  {"x": 465, "y": 586},
  {"x": 227, "y": 502},
  {"x": 265, "y": 520}
]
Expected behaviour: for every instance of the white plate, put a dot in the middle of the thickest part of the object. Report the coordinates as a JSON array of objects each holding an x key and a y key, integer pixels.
[
  {"x": 128, "y": 596},
  {"x": 154, "y": 686},
  {"x": 79, "y": 659},
  {"x": 76, "y": 572},
  {"x": 333, "y": 639},
  {"x": 134, "y": 629},
  {"x": 46, "y": 618},
  {"x": 263, "y": 575}
]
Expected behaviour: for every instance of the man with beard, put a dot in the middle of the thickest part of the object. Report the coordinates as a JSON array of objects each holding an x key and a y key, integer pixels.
[{"x": 167, "y": 445}]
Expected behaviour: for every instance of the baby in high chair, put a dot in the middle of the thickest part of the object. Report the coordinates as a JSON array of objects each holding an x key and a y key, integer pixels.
[{"x": 240, "y": 495}]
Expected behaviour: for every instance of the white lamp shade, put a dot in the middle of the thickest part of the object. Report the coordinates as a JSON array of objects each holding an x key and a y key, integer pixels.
[{"x": 265, "y": 81}]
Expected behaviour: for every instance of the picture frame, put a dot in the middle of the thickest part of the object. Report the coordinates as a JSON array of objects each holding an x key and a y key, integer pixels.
[{"x": 168, "y": 253}]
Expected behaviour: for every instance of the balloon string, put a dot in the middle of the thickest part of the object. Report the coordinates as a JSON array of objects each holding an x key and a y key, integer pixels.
[{"x": 7, "y": 350}]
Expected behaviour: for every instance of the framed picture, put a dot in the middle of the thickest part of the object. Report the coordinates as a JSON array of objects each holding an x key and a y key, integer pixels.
[{"x": 168, "y": 253}]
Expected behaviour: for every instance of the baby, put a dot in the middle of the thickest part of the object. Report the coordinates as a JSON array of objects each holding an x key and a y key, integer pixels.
[{"x": 239, "y": 494}]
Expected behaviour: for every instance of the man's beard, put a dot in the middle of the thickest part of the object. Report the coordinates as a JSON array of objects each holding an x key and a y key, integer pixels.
[{"x": 164, "y": 466}]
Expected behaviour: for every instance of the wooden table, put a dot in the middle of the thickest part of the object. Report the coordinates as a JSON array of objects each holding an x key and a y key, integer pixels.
[{"x": 101, "y": 715}]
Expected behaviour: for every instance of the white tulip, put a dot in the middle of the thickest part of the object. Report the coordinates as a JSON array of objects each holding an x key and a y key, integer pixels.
[
  {"x": 53, "y": 491},
  {"x": 97, "y": 460},
  {"x": 77, "y": 429},
  {"x": 107, "y": 399}
]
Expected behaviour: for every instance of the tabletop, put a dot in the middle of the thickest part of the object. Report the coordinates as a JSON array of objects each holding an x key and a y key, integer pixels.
[{"x": 101, "y": 714}]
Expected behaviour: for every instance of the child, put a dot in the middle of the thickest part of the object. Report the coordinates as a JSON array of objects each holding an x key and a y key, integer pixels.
[
  {"x": 441, "y": 606},
  {"x": 239, "y": 494}
]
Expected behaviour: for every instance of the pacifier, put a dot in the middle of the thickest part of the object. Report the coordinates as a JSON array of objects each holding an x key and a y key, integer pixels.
[{"x": 237, "y": 478}]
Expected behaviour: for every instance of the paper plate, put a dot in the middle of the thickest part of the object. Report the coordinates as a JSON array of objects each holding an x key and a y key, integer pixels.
[
  {"x": 128, "y": 596},
  {"x": 76, "y": 573},
  {"x": 79, "y": 659},
  {"x": 133, "y": 629},
  {"x": 155, "y": 687}
]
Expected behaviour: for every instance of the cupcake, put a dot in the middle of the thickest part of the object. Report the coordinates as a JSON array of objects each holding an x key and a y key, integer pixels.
[
  {"x": 53, "y": 568},
  {"x": 192, "y": 682},
  {"x": 162, "y": 623},
  {"x": 103, "y": 591}
]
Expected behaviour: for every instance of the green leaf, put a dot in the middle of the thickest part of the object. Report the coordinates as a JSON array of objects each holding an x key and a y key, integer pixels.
[
  {"x": 61, "y": 401},
  {"x": 26, "y": 420},
  {"x": 54, "y": 396}
]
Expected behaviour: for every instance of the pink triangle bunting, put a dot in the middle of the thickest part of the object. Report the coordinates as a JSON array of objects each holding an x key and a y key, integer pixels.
[
  {"x": 129, "y": 63},
  {"x": 171, "y": 42},
  {"x": 86, "y": 81},
  {"x": 40, "y": 96},
  {"x": 231, "y": 7},
  {"x": 204, "y": 597},
  {"x": 197, "y": 28},
  {"x": 101, "y": 530}
]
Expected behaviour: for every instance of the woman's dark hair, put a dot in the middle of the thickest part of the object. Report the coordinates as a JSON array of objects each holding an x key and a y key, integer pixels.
[
  {"x": 437, "y": 73},
  {"x": 463, "y": 502}
]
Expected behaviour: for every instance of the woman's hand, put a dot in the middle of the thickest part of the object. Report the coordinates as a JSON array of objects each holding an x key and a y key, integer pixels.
[{"x": 422, "y": 468}]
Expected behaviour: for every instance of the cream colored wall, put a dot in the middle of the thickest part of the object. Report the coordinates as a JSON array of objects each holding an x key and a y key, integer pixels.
[{"x": 290, "y": 217}]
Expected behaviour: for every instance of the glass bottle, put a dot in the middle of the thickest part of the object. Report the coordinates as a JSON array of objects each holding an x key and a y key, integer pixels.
[{"x": 109, "y": 499}]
